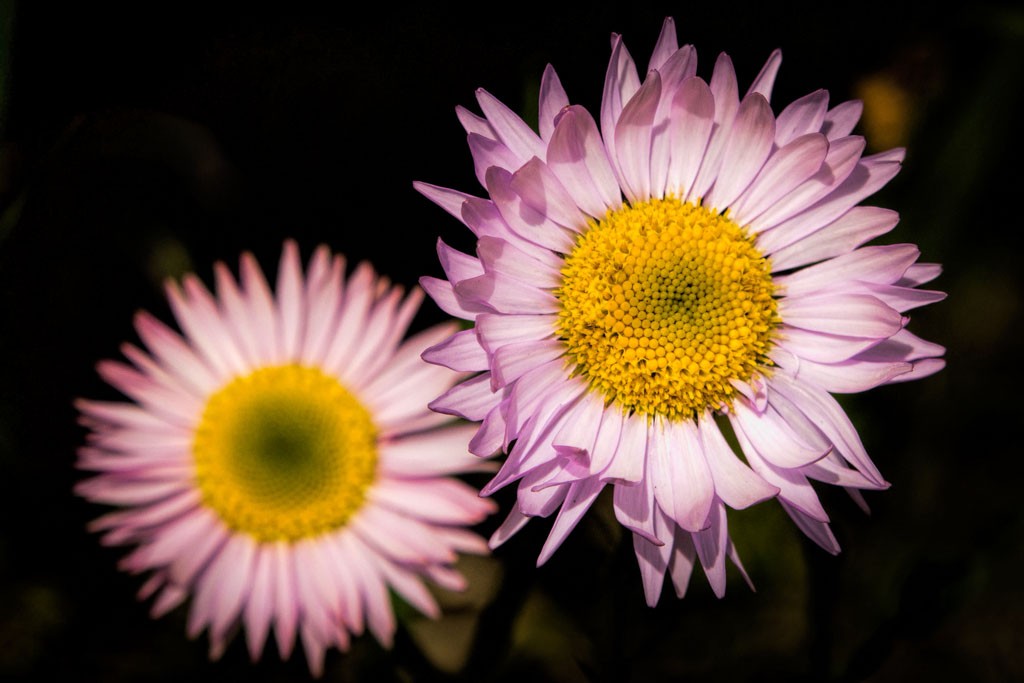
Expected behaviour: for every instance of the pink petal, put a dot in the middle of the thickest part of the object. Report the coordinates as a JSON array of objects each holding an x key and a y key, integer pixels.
[
  {"x": 679, "y": 473},
  {"x": 488, "y": 154},
  {"x": 840, "y": 162},
  {"x": 620, "y": 83},
  {"x": 842, "y": 118},
  {"x": 847, "y": 377},
  {"x": 786, "y": 169},
  {"x": 461, "y": 352},
  {"x": 551, "y": 100},
  {"x": 691, "y": 123},
  {"x": 802, "y": 116},
  {"x": 735, "y": 483},
  {"x": 653, "y": 561},
  {"x": 632, "y": 139},
  {"x": 828, "y": 416},
  {"x": 580, "y": 497},
  {"x": 496, "y": 330},
  {"x": 711, "y": 545},
  {"x": 524, "y": 220},
  {"x": 499, "y": 256},
  {"x": 448, "y": 199},
  {"x": 506, "y": 295},
  {"x": 765, "y": 80},
  {"x": 629, "y": 462},
  {"x": 542, "y": 191},
  {"x": 681, "y": 564},
  {"x": 792, "y": 484},
  {"x": 511, "y": 129},
  {"x": 868, "y": 177},
  {"x": 745, "y": 152},
  {"x": 578, "y": 158},
  {"x": 857, "y": 226},
  {"x": 883, "y": 264},
  {"x": 817, "y": 530},
  {"x": 634, "y": 509},
  {"x": 773, "y": 438},
  {"x": 852, "y": 315},
  {"x": 666, "y": 45},
  {"x": 470, "y": 400},
  {"x": 726, "y": 98}
]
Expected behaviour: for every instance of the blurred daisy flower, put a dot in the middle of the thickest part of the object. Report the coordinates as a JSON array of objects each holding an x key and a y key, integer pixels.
[
  {"x": 278, "y": 463},
  {"x": 691, "y": 268}
]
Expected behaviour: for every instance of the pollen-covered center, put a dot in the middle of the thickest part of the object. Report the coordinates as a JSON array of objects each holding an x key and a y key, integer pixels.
[
  {"x": 663, "y": 304},
  {"x": 285, "y": 453}
]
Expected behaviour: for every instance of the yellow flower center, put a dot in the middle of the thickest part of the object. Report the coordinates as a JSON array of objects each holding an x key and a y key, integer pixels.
[
  {"x": 285, "y": 453},
  {"x": 663, "y": 303}
]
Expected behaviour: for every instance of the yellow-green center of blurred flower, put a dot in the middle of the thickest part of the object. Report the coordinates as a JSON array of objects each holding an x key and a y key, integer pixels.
[
  {"x": 285, "y": 453},
  {"x": 663, "y": 304}
]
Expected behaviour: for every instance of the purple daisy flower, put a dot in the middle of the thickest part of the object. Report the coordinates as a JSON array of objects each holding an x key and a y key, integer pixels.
[
  {"x": 695, "y": 264},
  {"x": 278, "y": 462}
]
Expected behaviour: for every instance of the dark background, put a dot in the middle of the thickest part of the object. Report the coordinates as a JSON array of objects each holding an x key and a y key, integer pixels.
[{"x": 140, "y": 143}]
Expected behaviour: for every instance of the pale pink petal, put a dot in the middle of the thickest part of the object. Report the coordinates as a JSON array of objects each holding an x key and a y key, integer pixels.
[
  {"x": 461, "y": 352},
  {"x": 291, "y": 304},
  {"x": 580, "y": 497},
  {"x": 524, "y": 220},
  {"x": 679, "y": 473},
  {"x": 470, "y": 400},
  {"x": 472, "y": 123},
  {"x": 429, "y": 454},
  {"x": 443, "y": 294},
  {"x": 765, "y": 80},
  {"x": 506, "y": 294},
  {"x": 815, "y": 529},
  {"x": 632, "y": 139},
  {"x": 541, "y": 190},
  {"x": 744, "y": 153},
  {"x": 511, "y": 129},
  {"x": 725, "y": 93},
  {"x": 684, "y": 556},
  {"x": 841, "y": 119},
  {"x": 653, "y": 561},
  {"x": 883, "y": 264},
  {"x": 802, "y": 116},
  {"x": 846, "y": 377},
  {"x": 776, "y": 439},
  {"x": 857, "y": 226},
  {"x": 496, "y": 331},
  {"x": 620, "y": 83},
  {"x": 785, "y": 170},
  {"x": 666, "y": 46},
  {"x": 852, "y": 315},
  {"x": 490, "y": 154},
  {"x": 629, "y": 462},
  {"x": 512, "y": 361},
  {"x": 840, "y": 163},
  {"x": 691, "y": 123},
  {"x": 711, "y": 545},
  {"x": 822, "y": 347},
  {"x": 793, "y": 486},
  {"x": 438, "y": 501},
  {"x": 867, "y": 178},
  {"x": 634, "y": 509},
  {"x": 448, "y": 199},
  {"x": 578, "y": 158},
  {"x": 551, "y": 100},
  {"x": 498, "y": 256},
  {"x": 826, "y": 413},
  {"x": 735, "y": 483},
  {"x": 515, "y": 521}
]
